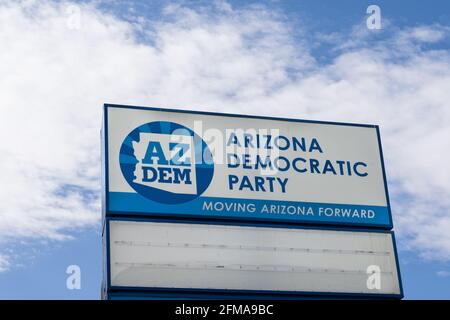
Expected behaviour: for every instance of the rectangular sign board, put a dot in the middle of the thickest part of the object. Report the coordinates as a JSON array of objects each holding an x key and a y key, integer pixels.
[
  {"x": 161, "y": 162},
  {"x": 160, "y": 255}
]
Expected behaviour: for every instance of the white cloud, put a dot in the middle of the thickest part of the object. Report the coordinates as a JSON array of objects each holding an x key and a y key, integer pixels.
[
  {"x": 427, "y": 34},
  {"x": 443, "y": 274},
  {"x": 4, "y": 263},
  {"x": 54, "y": 80}
]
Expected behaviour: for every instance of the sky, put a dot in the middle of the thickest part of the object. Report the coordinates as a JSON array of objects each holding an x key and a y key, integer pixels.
[{"x": 61, "y": 60}]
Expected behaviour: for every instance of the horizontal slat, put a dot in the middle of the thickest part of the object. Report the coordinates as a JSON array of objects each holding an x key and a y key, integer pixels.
[{"x": 176, "y": 255}]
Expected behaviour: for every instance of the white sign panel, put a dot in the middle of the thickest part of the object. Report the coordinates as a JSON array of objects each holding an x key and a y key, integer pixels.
[
  {"x": 202, "y": 256},
  {"x": 179, "y": 163}
]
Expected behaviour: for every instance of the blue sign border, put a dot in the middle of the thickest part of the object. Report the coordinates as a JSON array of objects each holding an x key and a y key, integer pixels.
[
  {"x": 105, "y": 170},
  {"x": 174, "y": 293}
]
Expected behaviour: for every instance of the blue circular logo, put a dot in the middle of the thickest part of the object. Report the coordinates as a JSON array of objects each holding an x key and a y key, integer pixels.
[{"x": 166, "y": 162}]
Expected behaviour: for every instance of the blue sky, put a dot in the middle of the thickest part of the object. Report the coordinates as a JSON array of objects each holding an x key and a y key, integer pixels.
[{"x": 321, "y": 63}]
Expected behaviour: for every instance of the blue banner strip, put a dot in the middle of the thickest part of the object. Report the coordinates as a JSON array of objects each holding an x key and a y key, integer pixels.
[{"x": 239, "y": 209}]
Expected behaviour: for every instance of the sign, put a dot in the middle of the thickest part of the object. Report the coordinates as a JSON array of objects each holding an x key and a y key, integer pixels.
[
  {"x": 207, "y": 165},
  {"x": 184, "y": 256}
]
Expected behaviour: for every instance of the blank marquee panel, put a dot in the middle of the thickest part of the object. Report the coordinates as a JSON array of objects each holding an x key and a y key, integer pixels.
[{"x": 201, "y": 256}]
